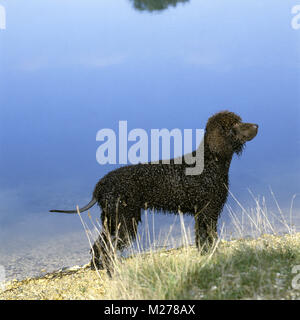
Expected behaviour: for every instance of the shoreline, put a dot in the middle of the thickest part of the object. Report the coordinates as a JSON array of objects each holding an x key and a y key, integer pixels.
[
  {"x": 29, "y": 259},
  {"x": 57, "y": 285},
  {"x": 159, "y": 274}
]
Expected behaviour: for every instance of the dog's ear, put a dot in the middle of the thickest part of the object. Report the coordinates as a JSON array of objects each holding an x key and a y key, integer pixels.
[
  {"x": 218, "y": 132},
  {"x": 216, "y": 141}
]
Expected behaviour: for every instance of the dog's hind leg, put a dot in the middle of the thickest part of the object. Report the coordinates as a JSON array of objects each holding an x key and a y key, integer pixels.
[{"x": 119, "y": 229}]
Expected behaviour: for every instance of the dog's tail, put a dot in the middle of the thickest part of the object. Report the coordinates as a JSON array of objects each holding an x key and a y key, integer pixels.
[{"x": 89, "y": 205}]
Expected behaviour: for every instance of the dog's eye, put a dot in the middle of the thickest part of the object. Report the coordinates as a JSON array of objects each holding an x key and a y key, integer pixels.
[{"x": 233, "y": 131}]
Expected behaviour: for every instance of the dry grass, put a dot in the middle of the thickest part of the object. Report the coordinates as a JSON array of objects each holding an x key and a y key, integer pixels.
[
  {"x": 259, "y": 267},
  {"x": 239, "y": 269}
]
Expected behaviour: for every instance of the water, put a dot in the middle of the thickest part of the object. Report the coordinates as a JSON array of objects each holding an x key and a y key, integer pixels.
[{"x": 69, "y": 69}]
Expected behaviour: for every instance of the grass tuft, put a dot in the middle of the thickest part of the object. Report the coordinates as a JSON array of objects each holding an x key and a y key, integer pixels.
[{"x": 240, "y": 269}]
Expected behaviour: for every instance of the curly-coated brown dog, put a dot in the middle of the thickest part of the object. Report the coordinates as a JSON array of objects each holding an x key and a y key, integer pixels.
[{"x": 122, "y": 193}]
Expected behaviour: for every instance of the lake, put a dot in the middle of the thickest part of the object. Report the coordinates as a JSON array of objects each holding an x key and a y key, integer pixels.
[{"x": 71, "y": 68}]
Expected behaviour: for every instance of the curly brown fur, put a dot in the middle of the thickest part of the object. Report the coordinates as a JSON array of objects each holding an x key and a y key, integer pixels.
[{"x": 122, "y": 193}]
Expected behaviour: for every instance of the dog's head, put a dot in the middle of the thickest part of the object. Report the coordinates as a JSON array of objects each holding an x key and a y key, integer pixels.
[{"x": 226, "y": 133}]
